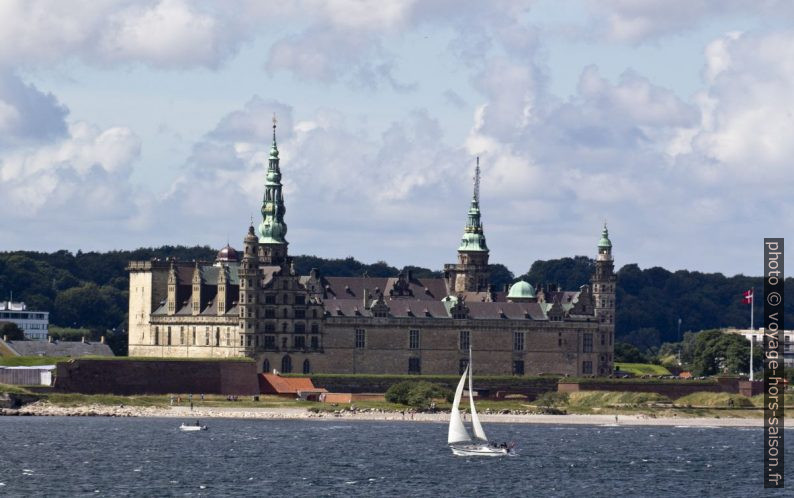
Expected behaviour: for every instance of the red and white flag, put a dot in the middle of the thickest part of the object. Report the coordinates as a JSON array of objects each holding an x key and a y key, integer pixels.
[{"x": 748, "y": 297}]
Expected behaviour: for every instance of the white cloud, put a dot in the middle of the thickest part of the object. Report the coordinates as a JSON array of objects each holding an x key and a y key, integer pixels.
[
  {"x": 637, "y": 21},
  {"x": 747, "y": 125},
  {"x": 170, "y": 33},
  {"x": 82, "y": 177},
  {"x": 160, "y": 33}
]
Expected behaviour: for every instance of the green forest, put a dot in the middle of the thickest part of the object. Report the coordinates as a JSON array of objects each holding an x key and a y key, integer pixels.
[{"x": 89, "y": 290}]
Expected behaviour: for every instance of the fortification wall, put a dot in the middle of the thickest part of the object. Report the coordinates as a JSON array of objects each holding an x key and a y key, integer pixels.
[
  {"x": 157, "y": 377},
  {"x": 486, "y": 387},
  {"x": 672, "y": 390}
]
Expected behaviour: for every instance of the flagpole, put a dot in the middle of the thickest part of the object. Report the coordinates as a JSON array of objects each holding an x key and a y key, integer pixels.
[
  {"x": 752, "y": 330},
  {"x": 752, "y": 305}
]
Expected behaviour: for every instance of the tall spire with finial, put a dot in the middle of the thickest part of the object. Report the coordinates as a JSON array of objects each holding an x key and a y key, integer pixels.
[
  {"x": 473, "y": 235},
  {"x": 273, "y": 229},
  {"x": 477, "y": 181}
]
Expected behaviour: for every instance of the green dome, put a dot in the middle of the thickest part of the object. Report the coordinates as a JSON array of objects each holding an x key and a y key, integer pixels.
[
  {"x": 521, "y": 290},
  {"x": 604, "y": 242}
]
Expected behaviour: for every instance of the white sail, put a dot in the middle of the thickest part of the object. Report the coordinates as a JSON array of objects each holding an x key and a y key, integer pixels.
[
  {"x": 475, "y": 420},
  {"x": 457, "y": 431}
]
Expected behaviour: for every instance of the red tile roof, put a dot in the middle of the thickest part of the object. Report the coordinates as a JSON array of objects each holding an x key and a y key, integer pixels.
[{"x": 275, "y": 384}]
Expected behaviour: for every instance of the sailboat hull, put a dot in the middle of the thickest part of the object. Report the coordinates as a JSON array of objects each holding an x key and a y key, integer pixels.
[{"x": 479, "y": 450}]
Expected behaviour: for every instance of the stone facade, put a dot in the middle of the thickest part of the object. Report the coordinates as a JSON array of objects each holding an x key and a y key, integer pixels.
[{"x": 255, "y": 305}]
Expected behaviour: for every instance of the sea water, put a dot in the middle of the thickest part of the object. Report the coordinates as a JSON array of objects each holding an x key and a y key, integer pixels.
[{"x": 98, "y": 456}]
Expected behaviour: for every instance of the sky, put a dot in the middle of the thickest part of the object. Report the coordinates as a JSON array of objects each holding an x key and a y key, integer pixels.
[{"x": 128, "y": 124}]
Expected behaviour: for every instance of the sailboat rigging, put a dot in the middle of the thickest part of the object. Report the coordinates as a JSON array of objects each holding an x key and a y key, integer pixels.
[{"x": 458, "y": 437}]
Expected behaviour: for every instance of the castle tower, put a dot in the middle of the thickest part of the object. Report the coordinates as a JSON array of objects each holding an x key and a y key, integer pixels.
[
  {"x": 471, "y": 273},
  {"x": 604, "y": 301},
  {"x": 249, "y": 272},
  {"x": 273, "y": 229}
]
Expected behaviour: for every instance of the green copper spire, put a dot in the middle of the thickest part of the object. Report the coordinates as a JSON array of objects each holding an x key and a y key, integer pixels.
[
  {"x": 604, "y": 242},
  {"x": 473, "y": 236},
  {"x": 273, "y": 229}
]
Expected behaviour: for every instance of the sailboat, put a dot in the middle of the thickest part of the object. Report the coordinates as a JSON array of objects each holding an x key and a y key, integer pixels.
[{"x": 458, "y": 438}]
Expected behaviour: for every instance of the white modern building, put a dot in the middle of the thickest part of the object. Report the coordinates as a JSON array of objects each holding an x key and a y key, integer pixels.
[
  {"x": 34, "y": 324},
  {"x": 757, "y": 337}
]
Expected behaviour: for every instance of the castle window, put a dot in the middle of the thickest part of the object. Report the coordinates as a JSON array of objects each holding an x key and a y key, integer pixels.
[
  {"x": 587, "y": 367},
  {"x": 314, "y": 313},
  {"x": 299, "y": 342},
  {"x": 228, "y": 339},
  {"x": 194, "y": 336},
  {"x": 217, "y": 336},
  {"x": 286, "y": 365},
  {"x": 157, "y": 336},
  {"x": 300, "y": 299},
  {"x": 270, "y": 299},
  {"x": 266, "y": 365},
  {"x": 462, "y": 364},
  {"x": 270, "y": 313},
  {"x": 361, "y": 339},
  {"x": 518, "y": 341},
  {"x": 413, "y": 339},
  {"x": 300, "y": 328},
  {"x": 414, "y": 366},
  {"x": 270, "y": 342},
  {"x": 463, "y": 340},
  {"x": 307, "y": 368},
  {"x": 300, "y": 313},
  {"x": 603, "y": 339},
  {"x": 518, "y": 367},
  {"x": 168, "y": 337},
  {"x": 270, "y": 327},
  {"x": 315, "y": 328},
  {"x": 315, "y": 342},
  {"x": 181, "y": 335},
  {"x": 587, "y": 343}
]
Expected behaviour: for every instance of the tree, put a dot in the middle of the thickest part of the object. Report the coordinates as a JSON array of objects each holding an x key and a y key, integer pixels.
[
  {"x": 12, "y": 331},
  {"x": 716, "y": 352},
  {"x": 500, "y": 276},
  {"x": 626, "y": 353}
]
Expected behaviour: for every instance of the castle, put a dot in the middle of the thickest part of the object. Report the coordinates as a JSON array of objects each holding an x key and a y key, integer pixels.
[{"x": 255, "y": 305}]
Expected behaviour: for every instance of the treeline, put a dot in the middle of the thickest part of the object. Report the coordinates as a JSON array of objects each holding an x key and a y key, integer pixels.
[{"x": 90, "y": 289}]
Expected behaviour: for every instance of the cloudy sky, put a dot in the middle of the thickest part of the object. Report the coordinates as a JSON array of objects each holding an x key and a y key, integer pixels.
[{"x": 141, "y": 123}]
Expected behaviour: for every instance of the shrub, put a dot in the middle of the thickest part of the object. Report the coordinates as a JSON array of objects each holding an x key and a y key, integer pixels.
[
  {"x": 551, "y": 399},
  {"x": 418, "y": 394}
]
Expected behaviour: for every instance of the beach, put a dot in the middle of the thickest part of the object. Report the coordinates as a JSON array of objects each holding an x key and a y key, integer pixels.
[{"x": 205, "y": 412}]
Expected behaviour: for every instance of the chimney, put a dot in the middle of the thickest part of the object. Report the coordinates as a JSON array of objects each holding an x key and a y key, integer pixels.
[
  {"x": 366, "y": 298},
  {"x": 82, "y": 339},
  {"x": 102, "y": 340}
]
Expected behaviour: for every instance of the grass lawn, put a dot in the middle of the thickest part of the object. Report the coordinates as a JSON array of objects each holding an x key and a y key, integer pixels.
[
  {"x": 30, "y": 361},
  {"x": 642, "y": 368}
]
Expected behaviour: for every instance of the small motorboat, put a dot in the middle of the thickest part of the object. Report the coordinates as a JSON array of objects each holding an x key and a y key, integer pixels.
[{"x": 192, "y": 427}]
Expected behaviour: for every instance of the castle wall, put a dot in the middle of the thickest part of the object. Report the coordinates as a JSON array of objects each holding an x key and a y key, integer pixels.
[{"x": 157, "y": 377}]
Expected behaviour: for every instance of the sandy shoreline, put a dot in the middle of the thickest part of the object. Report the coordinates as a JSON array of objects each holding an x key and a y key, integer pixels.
[{"x": 203, "y": 412}]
